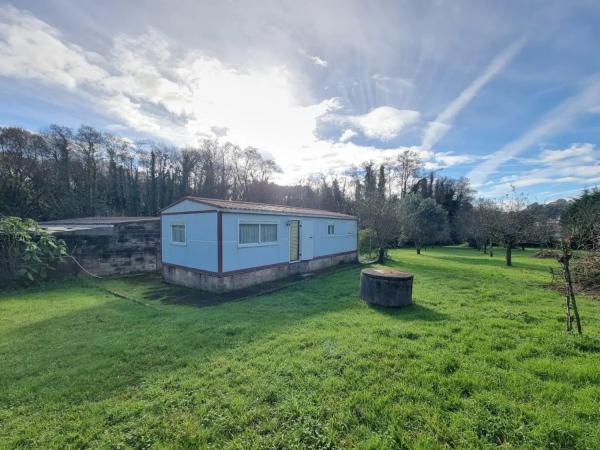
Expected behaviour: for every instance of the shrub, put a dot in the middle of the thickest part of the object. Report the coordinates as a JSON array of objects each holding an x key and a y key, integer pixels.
[
  {"x": 27, "y": 252},
  {"x": 586, "y": 270}
]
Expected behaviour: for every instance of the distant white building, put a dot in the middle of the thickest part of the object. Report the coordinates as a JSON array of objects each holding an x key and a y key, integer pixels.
[{"x": 224, "y": 245}]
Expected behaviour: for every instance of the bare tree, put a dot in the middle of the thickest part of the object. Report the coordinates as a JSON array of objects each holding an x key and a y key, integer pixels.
[
  {"x": 187, "y": 160},
  {"x": 564, "y": 259},
  {"x": 481, "y": 222},
  {"x": 381, "y": 216},
  {"x": 89, "y": 141},
  {"x": 512, "y": 223},
  {"x": 407, "y": 169}
]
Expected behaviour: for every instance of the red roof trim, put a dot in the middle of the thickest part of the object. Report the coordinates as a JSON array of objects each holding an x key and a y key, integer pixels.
[{"x": 264, "y": 207}]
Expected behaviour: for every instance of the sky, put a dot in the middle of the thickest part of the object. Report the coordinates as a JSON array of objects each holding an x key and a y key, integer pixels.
[{"x": 504, "y": 93}]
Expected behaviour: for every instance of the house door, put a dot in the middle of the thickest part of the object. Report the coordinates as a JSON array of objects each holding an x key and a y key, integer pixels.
[
  {"x": 294, "y": 240},
  {"x": 307, "y": 242}
]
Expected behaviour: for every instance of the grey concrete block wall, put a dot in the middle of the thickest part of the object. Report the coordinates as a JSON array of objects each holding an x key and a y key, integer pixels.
[
  {"x": 118, "y": 250},
  {"x": 240, "y": 280}
]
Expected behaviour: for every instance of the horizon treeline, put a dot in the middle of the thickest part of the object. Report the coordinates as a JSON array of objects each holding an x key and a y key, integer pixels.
[{"x": 62, "y": 173}]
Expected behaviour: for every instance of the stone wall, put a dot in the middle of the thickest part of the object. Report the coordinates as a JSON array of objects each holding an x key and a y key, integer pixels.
[
  {"x": 246, "y": 278},
  {"x": 115, "y": 250}
]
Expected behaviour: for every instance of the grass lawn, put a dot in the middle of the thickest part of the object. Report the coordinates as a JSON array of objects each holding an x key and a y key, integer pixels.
[{"x": 480, "y": 360}]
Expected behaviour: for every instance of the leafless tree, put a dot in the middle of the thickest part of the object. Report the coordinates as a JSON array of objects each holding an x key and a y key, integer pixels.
[
  {"x": 512, "y": 223},
  {"x": 564, "y": 258},
  {"x": 407, "y": 169}
]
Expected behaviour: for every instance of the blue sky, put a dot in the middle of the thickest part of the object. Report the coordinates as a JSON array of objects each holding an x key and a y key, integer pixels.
[{"x": 505, "y": 93}]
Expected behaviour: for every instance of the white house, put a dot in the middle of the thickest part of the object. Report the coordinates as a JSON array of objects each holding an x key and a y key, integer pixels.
[{"x": 223, "y": 245}]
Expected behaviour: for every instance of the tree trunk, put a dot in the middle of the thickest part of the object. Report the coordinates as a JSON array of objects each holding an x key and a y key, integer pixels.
[
  {"x": 418, "y": 246},
  {"x": 485, "y": 249},
  {"x": 568, "y": 318},
  {"x": 570, "y": 294},
  {"x": 491, "y": 248},
  {"x": 381, "y": 255},
  {"x": 508, "y": 254}
]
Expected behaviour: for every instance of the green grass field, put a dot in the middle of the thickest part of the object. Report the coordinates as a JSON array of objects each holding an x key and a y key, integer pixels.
[{"x": 480, "y": 360}]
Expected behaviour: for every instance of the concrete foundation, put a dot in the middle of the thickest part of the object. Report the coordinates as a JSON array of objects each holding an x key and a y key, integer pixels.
[{"x": 232, "y": 281}]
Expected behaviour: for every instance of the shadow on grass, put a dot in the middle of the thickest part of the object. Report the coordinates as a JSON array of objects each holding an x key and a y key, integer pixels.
[
  {"x": 412, "y": 312},
  {"x": 155, "y": 289}
]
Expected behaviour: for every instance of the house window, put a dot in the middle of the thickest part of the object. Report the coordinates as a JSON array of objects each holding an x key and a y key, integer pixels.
[
  {"x": 330, "y": 230},
  {"x": 178, "y": 233},
  {"x": 257, "y": 233},
  {"x": 268, "y": 232},
  {"x": 249, "y": 233}
]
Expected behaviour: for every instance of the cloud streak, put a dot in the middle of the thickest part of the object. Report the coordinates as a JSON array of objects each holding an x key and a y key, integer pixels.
[
  {"x": 576, "y": 164},
  {"x": 553, "y": 122},
  {"x": 443, "y": 122}
]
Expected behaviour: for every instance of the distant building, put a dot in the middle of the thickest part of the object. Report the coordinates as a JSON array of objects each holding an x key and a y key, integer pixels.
[
  {"x": 224, "y": 245},
  {"x": 111, "y": 245}
]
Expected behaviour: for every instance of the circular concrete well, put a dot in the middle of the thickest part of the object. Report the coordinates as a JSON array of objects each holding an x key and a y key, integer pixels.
[{"x": 386, "y": 287}]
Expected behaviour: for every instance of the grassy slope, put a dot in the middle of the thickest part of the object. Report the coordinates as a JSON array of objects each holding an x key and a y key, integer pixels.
[{"x": 481, "y": 359}]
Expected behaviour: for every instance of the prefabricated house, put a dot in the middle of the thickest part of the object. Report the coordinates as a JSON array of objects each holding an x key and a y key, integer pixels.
[{"x": 224, "y": 245}]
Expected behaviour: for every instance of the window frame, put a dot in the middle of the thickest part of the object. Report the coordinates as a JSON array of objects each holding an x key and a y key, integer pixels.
[
  {"x": 178, "y": 224},
  {"x": 333, "y": 227},
  {"x": 259, "y": 243}
]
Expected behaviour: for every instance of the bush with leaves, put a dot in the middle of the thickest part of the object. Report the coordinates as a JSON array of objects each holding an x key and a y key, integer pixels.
[
  {"x": 581, "y": 220},
  {"x": 422, "y": 221},
  {"x": 27, "y": 252}
]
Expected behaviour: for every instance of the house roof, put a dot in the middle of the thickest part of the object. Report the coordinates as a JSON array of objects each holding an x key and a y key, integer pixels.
[
  {"x": 99, "y": 220},
  {"x": 265, "y": 208}
]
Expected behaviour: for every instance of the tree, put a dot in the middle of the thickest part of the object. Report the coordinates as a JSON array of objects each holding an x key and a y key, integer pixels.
[
  {"x": 27, "y": 252},
  {"x": 380, "y": 215},
  {"x": 581, "y": 219},
  {"x": 480, "y": 224},
  {"x": 59, "y": 140},
  {"x": 422, "y": 221},
  {"x": 370, "y": 180},
  {"x": 512, "y": 224},
  {"x": 89, "y": 140},
  {"x": 408, "y": 166},
  {"x": 188, "y": 159},
  {"x": 381, "y": 181},
  {"x": 564, "y": 259}
]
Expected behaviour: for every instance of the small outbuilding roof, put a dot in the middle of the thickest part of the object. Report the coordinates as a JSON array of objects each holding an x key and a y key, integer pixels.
[
  {"x": 265, "y": 208},
  {"x": 99, "y": 220}
]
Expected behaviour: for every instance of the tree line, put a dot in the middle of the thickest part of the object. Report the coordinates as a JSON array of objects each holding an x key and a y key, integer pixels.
[{"x": 62, "y": 172}]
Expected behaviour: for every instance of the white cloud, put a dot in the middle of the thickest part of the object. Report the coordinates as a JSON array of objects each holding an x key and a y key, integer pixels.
[
  {"x": 315, "y": 59},
  {"x": 149, "y": 85},
  {"x": 440, "y": 126},
  {"x": 391, "y": 84},
  {"x": 29, "y": 48},
  {"x": 347, "y": 135},
  {"x": 383, "y": 123},
  {"x": 583, "y": 152},
  {"x": 578, "y": 163},
  {"x": 554, "y": 121}
]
